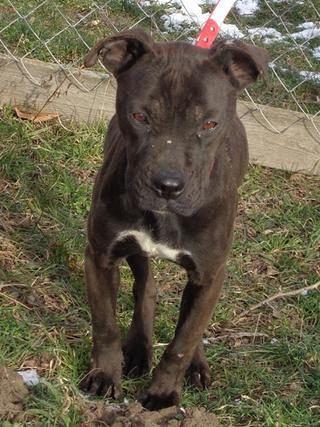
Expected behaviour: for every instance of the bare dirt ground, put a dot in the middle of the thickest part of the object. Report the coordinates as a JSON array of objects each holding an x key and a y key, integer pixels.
[
  {"x": 12, "y": 393},
  {"x": 135, "y": 416},
  {"x": 99, "y": 414}
]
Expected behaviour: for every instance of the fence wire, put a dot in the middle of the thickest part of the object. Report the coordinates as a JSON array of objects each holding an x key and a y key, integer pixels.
[{"x": 62, "y": 31}]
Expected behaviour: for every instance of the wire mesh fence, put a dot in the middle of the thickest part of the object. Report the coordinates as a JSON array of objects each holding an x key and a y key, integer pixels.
[{"x": 62, "y": 32}]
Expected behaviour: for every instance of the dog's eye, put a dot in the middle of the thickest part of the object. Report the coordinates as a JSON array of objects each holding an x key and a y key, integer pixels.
[
  {"x": 139, "y": 117},
  {"x": 209, "y": 124}
]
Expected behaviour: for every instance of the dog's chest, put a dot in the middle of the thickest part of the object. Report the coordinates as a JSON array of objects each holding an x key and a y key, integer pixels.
[{"x": 143, "y": 240}]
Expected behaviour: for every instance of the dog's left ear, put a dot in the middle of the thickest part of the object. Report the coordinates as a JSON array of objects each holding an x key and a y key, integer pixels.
[
  {"x": 241, "y": 62},
  {"x": 120, "y": 52}
]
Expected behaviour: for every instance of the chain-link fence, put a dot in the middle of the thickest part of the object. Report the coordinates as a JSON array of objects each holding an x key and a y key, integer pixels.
[{"x": 62, "y": 31}]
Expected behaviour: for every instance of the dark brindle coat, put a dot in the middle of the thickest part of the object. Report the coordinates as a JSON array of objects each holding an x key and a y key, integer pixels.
[{"x": 175, "y": 155}]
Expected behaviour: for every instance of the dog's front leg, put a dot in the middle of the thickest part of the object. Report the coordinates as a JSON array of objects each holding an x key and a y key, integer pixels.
[
  {"x": 137, "y": 348},
  {"x": 104, "y": 377},
  {"x": 197, "y": 303}
]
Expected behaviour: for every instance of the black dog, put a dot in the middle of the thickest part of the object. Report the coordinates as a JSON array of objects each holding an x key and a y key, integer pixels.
[{"x": 175, "y": 155}]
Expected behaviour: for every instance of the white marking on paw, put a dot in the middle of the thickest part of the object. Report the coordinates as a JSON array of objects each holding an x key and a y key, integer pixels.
[
  {"x": 169, "y": 141},
  {"x": 151, "y": 247}
]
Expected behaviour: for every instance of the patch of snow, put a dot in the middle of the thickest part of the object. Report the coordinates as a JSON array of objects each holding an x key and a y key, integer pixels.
[
  {"x": 231, "y": 30},
  {"x": 212, "y": 2},
  {"x": 30, "y": 377},
  {"x": 309, "y": 30},
  {"x": 247, "y": 7},
  {"x": 306, "y": 25},
  {"x": 269, "y": 40},
  {"x": 190, "y": 13},
  {"x": 316, "y": 52},
  {"x": 265, "y": 31},
  {"x": 174, "y": 21},
  {"x": 310, "y": 75},
  {"x": 305, "y": 75},
  {"x": 267, "y": 34}
]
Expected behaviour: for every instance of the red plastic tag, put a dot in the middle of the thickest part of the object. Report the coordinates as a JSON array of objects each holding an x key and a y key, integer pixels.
[
  {"x": 208, "y": 34},
  {"x": 211, "y": 28}
]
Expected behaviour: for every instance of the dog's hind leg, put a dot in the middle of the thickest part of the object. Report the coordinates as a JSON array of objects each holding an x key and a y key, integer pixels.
[
  {"x": 104, "y": 376},
  {"x": 137, "y": 348}
]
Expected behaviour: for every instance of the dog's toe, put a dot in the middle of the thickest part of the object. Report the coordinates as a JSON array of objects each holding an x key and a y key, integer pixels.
[
  {"x": 154, "y": 402},
  {"x": 198, "y": 374},
  {"x": 100, "y": 383}
]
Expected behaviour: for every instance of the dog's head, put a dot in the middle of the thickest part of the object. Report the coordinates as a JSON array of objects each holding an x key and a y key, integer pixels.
[{"x": 175, "y": 105}]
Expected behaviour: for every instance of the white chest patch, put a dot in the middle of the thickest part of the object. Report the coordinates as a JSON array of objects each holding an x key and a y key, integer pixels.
[{"x": 150, "y": 247}]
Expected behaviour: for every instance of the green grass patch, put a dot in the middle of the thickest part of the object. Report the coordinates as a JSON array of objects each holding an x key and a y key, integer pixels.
[{"x": 265, "y": 367}]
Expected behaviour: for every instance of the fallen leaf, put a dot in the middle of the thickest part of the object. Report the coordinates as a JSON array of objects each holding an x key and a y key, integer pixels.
[
  {"x": 251, "y": 232},
  {"x": 36, "y": 117},
  {"x": 271, "y": 271},
  {"x": 267, "y": 232}
]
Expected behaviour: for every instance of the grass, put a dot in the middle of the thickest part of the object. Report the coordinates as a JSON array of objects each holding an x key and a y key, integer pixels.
[{"x": 269, "y": 377}]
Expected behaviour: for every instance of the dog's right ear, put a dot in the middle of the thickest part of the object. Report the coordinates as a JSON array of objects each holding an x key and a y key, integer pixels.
[{"x": 120, "y": 52}]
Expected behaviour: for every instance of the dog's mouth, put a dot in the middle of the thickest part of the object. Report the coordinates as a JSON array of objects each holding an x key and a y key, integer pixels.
[
  {"x": 160, "y": 211},
  {"x": 165, "y": 210},
  {"x": 179, "y": 208},
  {"x": 172, "y": 206}
]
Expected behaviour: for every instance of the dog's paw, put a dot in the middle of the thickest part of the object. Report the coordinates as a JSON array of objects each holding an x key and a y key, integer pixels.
[
  {"x": 198, "y": 374},
  {"x": 154, "y": 401},
  {"x": 101, "y": 383},
  {"x": 137, "y": 359}
]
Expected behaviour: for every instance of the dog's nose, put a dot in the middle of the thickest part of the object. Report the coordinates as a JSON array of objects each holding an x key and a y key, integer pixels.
[{"x": 168, "y": 184}]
